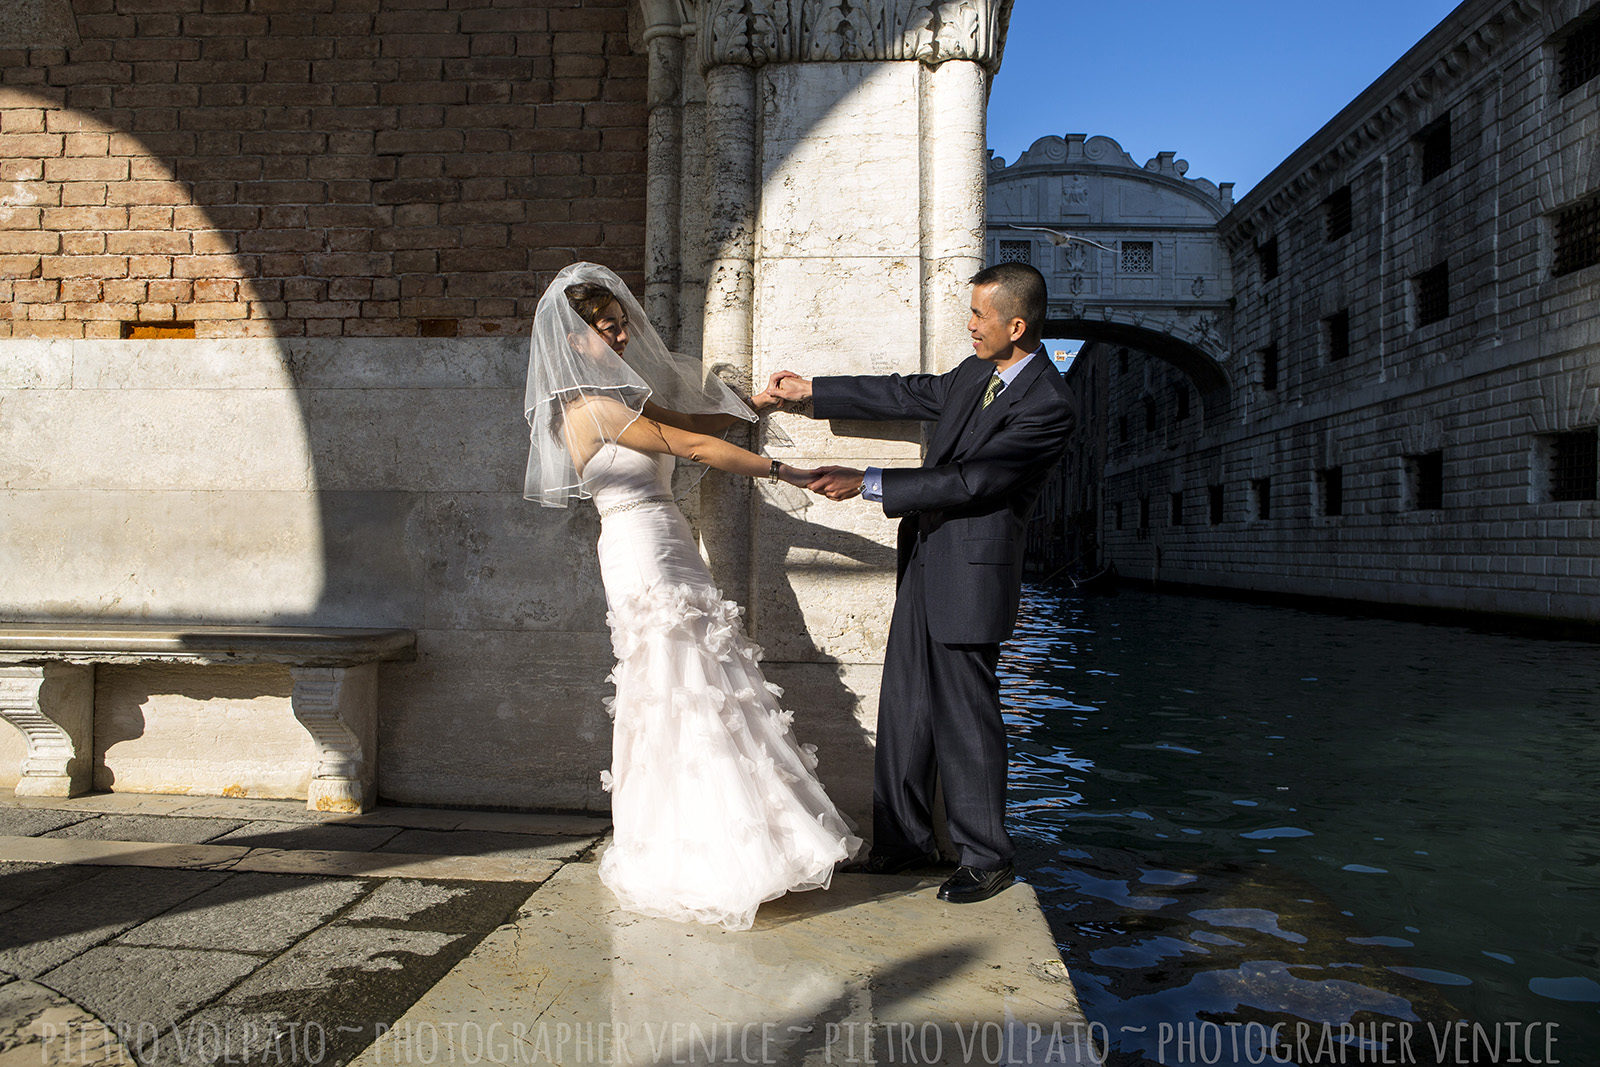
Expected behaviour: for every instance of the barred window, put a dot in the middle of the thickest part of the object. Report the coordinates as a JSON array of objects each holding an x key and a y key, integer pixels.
[
  {"x": 1433, "y": 148},
  {"x": 1149, "y": 414},
  {"x": 1336, "y": 332},
  {"x": 1268, "y": 254},
  {"x": 1269, "y": 367},
  {"x": 1577, "y": 234},
  {"x": 1117, "y": 513},
  {"x": 1180, "y": 402},
  {"x": 1330, "y": 490},
  {"x": 1431, "y": 294},
  {"x": 1425, "y": 475},
  {"x": 1144, "y": 513},
  {"x": 1261, "y": 488},
  {"x": 1138, "y": 257},
  {"x": 1214, "y": 504},
  {"x": 1574, "y": 464},
  {"x": 152, "y": 331},
  {"x": 1337, "y": 212},
  {"x": 1016, "y": 252},
  {"x": 1175, "y": 509},
  {"x": 1580, "y": 55},
  {"x": 1122, "y": 429}
]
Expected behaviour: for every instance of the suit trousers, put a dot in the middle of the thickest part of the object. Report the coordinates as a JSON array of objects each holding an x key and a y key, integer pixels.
[{"x": 938, "y": 721}]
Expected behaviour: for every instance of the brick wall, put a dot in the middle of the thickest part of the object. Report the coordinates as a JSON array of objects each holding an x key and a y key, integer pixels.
[{"x": 316, "y": 167}]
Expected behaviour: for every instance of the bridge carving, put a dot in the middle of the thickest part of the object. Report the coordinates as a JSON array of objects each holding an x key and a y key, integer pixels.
[{"x": 1147, "y": 269}]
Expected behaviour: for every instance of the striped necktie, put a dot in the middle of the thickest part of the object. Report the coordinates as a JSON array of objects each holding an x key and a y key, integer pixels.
[{"x": 995, "y": 385}]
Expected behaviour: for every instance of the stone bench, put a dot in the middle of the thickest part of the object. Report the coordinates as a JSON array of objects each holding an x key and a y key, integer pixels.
[{"x": 47, "y": 692}]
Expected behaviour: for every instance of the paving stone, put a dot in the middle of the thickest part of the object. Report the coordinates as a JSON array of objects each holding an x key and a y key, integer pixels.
[
  {"x": 332, "y": 837},
  {"x": 171, "y": 983},
  {"x": 485, "y": 843},
  {"x": 338, "y": 987},
  {"x": 157, "y": 828},
  {"x": 75, "y": 917},
  {"x": 25, "y": 822},
  {"x": 390, "y": 865},
  {"x": 21, "y": 882},
  {"x": 443, "y": 906},
  {"x": 85, "y": 851},
  {"x": 329, "y": 996},
  {"x": 402, "y": 899},
  {"x": 40, "y": 1026},
  {"x": 263, "y": 913}
]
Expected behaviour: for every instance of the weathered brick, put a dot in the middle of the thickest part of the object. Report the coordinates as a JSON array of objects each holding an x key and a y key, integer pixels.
[
  {"x": 82, "y": 290},
  {"x": 106, "y": 169},
  {"x": 147, "y": 242},
  {"x": 86, "y": 144},
  {"x": 237, "y": 25},
  {"x": 36, "y": 290},
  {"x": 104, "y": 73},
  {"x": 18, "y": 266},
  {"x": 20, "y": 218},
  {"x": 13, "y": 145},
  {"x": 21, "y": 119},
  {"x": 148, "y": 47},
  {"x": 170, "y": 290},
  {"x": 203, "y": 267},
  {"x": 82, "y": 266},
  {"x": 217, "y": 310},
  {"x": 35, "y": 242}
]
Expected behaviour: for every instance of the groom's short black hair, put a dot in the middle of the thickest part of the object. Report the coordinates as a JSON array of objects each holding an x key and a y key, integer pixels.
[{"x": 1020, "y": 292}]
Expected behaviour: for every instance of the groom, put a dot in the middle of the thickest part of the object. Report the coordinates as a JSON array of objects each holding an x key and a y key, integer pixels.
[{"x": 1000, "y": 422}]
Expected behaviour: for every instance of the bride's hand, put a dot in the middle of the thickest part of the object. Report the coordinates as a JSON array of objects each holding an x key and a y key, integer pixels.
[
  {"x": 766, "y": 401},
  {"x": 796, "y": 476}
]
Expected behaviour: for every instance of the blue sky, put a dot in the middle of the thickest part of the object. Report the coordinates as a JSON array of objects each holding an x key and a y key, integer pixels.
[{"x": 1232, "y": 86}]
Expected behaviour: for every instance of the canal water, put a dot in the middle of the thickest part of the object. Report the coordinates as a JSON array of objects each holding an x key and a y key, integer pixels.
[{"x": 1261, "y": 833}]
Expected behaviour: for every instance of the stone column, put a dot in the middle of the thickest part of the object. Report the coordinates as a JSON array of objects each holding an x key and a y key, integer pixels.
[
  {"x": 732, "y": 194},
  {"x": 951, "y": 141},
  {"x": 842, "y": 185},
  {"x": 663, "y": 40}
]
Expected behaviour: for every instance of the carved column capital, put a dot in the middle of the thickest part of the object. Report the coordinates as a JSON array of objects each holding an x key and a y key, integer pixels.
[{"x": 757, "y": 32}]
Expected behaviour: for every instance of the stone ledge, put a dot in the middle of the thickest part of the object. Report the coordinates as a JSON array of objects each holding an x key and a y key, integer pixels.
[{"x": 115, "y": 642}]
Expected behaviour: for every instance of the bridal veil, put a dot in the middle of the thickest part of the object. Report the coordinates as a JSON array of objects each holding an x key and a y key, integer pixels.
[{"x": 568, "y": 361}]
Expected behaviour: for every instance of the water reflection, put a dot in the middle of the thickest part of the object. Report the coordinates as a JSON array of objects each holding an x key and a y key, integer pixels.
[{"x": 1252, "y": 814}]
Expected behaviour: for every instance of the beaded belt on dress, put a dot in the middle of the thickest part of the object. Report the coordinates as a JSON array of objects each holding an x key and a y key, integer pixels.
[{"x": 630, "y": 505}]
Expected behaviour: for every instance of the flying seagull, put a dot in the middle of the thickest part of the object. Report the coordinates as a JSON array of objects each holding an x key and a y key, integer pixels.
[{"x": 1059, "y": 239}]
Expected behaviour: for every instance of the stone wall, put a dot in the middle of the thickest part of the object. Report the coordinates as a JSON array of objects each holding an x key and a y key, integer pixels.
[{"x": 1373, "y": 380}]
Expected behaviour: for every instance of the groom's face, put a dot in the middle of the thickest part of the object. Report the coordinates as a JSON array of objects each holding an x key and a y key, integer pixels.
[{"x": 992, "y": 331}]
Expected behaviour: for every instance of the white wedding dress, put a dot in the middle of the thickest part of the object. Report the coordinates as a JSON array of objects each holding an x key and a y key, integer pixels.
[{"x": 715, "y": 806}]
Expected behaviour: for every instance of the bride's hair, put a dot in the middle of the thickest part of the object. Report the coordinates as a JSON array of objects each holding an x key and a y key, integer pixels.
[{"x": 589, "y": 299}]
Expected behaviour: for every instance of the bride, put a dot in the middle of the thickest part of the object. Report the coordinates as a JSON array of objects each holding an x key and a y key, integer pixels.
[{"x": 715, "y": 805}]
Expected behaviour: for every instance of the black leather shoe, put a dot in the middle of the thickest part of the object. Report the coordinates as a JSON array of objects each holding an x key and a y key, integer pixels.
[
  {"x": 972, "y": 884},
  {"x": 899, "y": 863}
]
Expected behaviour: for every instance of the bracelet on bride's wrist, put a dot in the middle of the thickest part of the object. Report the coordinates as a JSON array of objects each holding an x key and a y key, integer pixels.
[{"x": 772, "y": 473}]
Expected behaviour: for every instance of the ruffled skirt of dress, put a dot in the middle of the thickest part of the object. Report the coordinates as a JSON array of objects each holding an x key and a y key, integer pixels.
[{"x": 715, "y": 805}]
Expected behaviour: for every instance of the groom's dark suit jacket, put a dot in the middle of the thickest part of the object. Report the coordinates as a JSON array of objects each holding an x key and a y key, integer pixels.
[{"x": 971, "y": 496}]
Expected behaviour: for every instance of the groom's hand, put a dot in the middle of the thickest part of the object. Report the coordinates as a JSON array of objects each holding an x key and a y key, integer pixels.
[
  {"x": 789, "y": 386},
  {"x": 837, "y": 483}
]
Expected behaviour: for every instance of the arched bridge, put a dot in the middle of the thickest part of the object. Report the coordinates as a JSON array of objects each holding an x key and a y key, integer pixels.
[{"x": 1162, "y": 281}]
